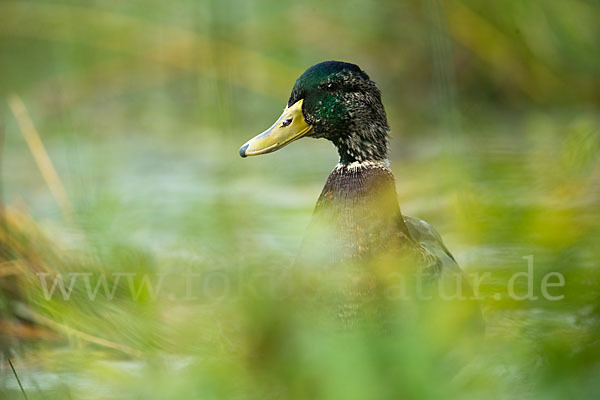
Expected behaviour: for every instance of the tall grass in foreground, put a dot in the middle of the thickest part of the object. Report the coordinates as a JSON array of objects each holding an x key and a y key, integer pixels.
[{"x": 251, "y": 326}]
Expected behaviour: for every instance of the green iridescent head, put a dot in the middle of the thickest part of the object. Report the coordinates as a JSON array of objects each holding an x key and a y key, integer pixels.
[{"x": 336, "y": 101}]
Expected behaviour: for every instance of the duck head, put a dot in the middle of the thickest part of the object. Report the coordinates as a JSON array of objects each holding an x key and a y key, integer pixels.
[{"x": 332, "y": 100}]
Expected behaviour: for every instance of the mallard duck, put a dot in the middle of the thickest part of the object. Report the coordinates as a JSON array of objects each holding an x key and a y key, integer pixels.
[{"x": 338, "y": 101}]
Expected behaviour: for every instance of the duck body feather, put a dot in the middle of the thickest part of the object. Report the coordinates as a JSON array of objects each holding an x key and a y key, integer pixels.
[
  {"x": 359, "y": 204},
  {"x": 358, "y": 230}
]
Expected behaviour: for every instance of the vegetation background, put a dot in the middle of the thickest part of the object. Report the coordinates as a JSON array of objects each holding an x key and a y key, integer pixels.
[{"x": 141, "y": 106}]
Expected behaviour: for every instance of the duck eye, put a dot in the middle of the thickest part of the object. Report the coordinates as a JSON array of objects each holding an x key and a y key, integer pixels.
[
  {"x": 330, "y": 86},
  {"x": 286, "y": 122}
]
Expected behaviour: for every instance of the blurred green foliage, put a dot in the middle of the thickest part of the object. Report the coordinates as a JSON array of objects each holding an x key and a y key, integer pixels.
[{"x": 142, "y": 106}]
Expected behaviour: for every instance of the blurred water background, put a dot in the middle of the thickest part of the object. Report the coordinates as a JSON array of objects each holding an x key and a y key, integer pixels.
[{"x": 141, "y": 107}]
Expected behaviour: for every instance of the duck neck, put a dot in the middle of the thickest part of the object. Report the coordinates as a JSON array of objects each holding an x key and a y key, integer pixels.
[{"x": 369, "y": 144}]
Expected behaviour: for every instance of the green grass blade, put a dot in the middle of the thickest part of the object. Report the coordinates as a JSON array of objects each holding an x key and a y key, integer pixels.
[{"x": 18, "y": 380}]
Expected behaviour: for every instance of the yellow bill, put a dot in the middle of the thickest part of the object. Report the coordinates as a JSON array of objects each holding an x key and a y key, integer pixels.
[{"x": 289, "y": 127}]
